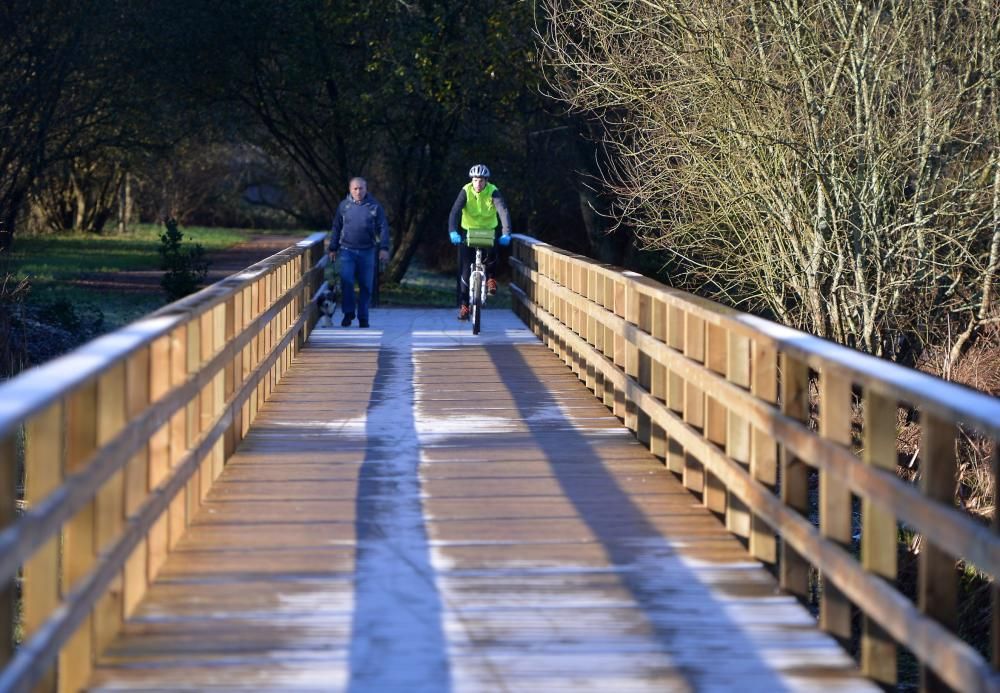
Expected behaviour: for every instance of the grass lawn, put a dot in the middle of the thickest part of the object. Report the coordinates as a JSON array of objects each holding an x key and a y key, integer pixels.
[
  {"x": 50, "y": 261},
  {"x": 59, "y": 256}
]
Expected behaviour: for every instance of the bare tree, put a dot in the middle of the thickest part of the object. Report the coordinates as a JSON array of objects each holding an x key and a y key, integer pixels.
[
  {"x": 832, "y": 163},
  {"x": 76, "y": 86},
  {"x": 78, "y": 195}
]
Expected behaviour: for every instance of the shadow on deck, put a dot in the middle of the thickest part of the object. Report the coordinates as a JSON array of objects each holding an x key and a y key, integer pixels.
[{"x": 416, "y": 508}]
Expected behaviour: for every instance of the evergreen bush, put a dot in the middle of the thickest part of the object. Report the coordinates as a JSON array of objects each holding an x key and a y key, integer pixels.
[{"x": 184, "y": 265}]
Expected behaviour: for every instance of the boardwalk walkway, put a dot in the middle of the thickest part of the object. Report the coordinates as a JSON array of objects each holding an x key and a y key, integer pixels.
[{"x": 417, "y": 509}]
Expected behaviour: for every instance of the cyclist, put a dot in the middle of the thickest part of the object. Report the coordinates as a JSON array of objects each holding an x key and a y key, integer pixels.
[{"x": 480, "y": 205}]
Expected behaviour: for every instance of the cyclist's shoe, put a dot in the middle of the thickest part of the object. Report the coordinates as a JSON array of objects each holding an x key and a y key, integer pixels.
[
  {"x": 463, "y": 313},
  {"x": 362, "y": 322},
  {"x": 348, "y": 319},
  {"x": 491, "y": 286}
]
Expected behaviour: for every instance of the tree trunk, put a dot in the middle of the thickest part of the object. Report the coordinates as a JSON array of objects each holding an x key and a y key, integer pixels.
[
  {"x": 408, "y": 244},
  {"x": 126, "y": 202},
  {"x": 7, "y": 218}
]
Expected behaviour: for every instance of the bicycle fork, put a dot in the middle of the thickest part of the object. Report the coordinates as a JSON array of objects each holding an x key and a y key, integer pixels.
[{"x": 477, "y": 280}]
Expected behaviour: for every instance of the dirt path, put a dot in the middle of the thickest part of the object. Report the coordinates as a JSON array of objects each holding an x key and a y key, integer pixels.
[
  {"x": 223, "y": 263},
  {"x": 245, "y": 254}
]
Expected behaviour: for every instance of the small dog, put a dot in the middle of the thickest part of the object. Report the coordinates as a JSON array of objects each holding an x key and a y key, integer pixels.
[{"x": 326, "y": 300}]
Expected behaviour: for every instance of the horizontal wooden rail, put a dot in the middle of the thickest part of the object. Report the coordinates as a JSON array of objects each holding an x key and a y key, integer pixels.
[
  {"x": 120, "y": 441},
  {"x": 725, "y": 398}
]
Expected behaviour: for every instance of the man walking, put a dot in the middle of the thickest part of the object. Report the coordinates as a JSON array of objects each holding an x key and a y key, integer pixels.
[{"x": 358, "y": 227}]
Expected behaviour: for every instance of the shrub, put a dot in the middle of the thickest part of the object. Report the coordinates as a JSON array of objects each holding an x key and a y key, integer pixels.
[
  {"x": 184, "y": 266},
  {"x": 12, "y": 343}
]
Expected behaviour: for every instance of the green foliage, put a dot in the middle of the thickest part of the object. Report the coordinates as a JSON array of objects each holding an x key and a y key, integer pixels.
[{"x": 185, "y": 266}]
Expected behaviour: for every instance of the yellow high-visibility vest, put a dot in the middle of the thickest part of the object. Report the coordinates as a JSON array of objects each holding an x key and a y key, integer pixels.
[{"x": 479, "y": 212}]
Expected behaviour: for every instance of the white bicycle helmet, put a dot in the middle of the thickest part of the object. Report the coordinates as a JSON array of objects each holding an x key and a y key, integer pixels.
[{"x": 479, "y": 171}]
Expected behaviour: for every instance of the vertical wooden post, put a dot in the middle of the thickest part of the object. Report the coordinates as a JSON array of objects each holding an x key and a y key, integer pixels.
[
  {"x": 878, "y": 534},
  {"x": 566, "y": 312},
  {"x": 658, "y": 375},
  {"x": 549, "y": 268},
  {"x": 246, "y": 356},
  {"x": 676, "y": 328},
  {"x": 542, "y": 289},
  {"x": 793, "y": 574},
  {"x": 219, "y": 386},
  {"x": 608, "y": 301},
  {"x": 231, "y": 375},
  {"x": 597, "y": 287},
  {"x": 43, "y": 472},
  {"x": 289, "y": 313},
  {"x": 8, "y": 512},
  {"x": 590, "y": 327},
  {"x": 694, "y": 400},
  {"x": 556, "y": 305},
  {"x": 76, "y": 657},
  {"x": 618, "y": 342},
  {"x": 574, "y": 317},
  {"x": 272, "y": 333},
  {"x": 137, "y": 380},
  {"x": 112, "y": 395},
  {"x": 716, "y": 357},
  {"x": 835, "y": 497},
  {"x": 206, "y": 403},
  {"x": 937, "y": 580},
  {"x": 644, "y": 367},
  {"x": 158, "y": 468},
  {"x": 631, "y": 313},
  {"x": 301, "y": 302},
  {"x": 763, "y": 449},
  {"x": 737, "y": 430},
  {"x": 268, "y": 301},
  {"x": 196, "y": 334},
  {"x": 178, "y": 433},
  {"x": 257, "y": 344}
]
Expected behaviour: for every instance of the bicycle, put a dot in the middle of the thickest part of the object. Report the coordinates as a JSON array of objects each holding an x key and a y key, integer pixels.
[{"x": 479, "y": 239}]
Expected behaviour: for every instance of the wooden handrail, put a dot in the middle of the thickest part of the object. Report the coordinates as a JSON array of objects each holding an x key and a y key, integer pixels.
[
  {"x": 121, "y": 440},
  {"x": 722, "y": 396}
]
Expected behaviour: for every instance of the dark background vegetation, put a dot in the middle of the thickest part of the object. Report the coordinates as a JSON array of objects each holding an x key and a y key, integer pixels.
[{"x": 256, "y": 114}]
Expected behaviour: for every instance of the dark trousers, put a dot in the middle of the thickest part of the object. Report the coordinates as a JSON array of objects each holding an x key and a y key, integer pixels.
[{"x": 466, "y": 256}]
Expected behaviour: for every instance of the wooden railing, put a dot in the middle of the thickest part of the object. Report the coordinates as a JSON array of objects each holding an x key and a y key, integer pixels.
[
  {"x": 726, "y": 400},
  {"x": 117, "y": 445}
]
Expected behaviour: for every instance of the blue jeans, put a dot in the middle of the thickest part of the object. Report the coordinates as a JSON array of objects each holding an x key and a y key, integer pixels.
[{"x": 356, "y": 265}]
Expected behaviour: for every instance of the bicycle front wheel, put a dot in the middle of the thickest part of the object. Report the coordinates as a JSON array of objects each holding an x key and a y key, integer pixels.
[{"x": 477, "y": 307}]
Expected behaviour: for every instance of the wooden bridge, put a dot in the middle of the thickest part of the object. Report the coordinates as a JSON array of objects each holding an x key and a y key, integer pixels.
[{"x": 616, "y": 487}]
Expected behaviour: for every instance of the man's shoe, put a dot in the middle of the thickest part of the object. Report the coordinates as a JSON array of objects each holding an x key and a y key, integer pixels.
[
  {"x": 463, "y": 313},
  {"x": 491, "y": 286},
  {"x": 362, "y": 322},
  {"x": 348, "y": 318}
]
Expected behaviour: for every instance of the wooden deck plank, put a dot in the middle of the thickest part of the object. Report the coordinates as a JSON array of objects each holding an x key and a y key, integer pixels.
[{"x": 419, "y": 509}]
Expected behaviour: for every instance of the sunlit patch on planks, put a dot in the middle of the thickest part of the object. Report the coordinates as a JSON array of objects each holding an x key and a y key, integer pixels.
[{"x": 417, "y": 508}]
